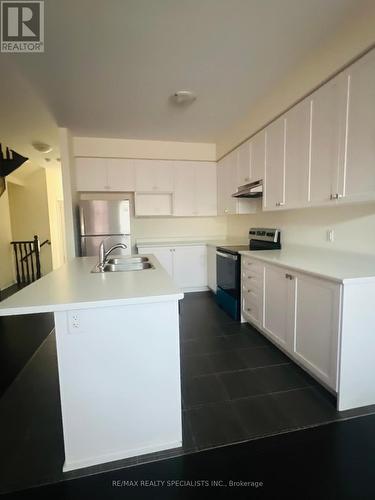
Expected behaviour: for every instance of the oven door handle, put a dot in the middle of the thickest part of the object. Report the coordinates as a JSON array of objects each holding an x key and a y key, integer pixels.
[{"x": 227, "y": 255}]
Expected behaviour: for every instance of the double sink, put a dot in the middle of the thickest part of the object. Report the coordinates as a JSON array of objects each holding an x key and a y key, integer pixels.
[{"x": 121, "y": 264}]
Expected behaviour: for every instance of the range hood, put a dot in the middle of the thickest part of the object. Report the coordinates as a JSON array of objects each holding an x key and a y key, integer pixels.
[{"x": 252, "y": 190}]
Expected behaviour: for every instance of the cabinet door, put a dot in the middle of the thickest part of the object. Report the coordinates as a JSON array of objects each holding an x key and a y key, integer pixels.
[
  {"x": 357, "y": 181},
  {"x": 152, "y": 204},
  {"x": 184, "y": 189},
  {"x": 277, "y": 291},
  {"x": 316, "y": 326},
  {"x": 226, "y": 182},
  {"x": 243, "y": 164},
  {"x": 163, "y": 254},
  {"x": 274, "y": 188},
  {"x": 164, "y": 176},
  {"x": 154, "y": 175},
  {"x": 205, "y": 189},
  {"x": 91, "y": 174},
  {"x": 327, "y": 128},
  {"x": 257, "y": 156},
  {"x": 190, "y": 266},
  {"x": 120, "y": 174},
  {"x": 297, "y": 155},
  {"x": 211, "y": 268}
]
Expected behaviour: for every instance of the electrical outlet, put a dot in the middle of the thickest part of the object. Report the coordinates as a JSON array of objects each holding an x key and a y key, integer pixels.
[
  {"x": 74, "y": 322},
  {"x": 330, "y": 235}
]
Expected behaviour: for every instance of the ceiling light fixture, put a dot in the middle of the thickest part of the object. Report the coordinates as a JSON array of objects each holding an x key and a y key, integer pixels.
[
  {"x": 184, "y": 97},
  {"x": 41, "y": 147}
]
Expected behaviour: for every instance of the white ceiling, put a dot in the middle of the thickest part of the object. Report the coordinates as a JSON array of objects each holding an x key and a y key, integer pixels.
[{"x": 110, "y": 66}]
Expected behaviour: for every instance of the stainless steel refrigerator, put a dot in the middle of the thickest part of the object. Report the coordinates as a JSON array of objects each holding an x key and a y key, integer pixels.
[{"x": 100, "y": 219}]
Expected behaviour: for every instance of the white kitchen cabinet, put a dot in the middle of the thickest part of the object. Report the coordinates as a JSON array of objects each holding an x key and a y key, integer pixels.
[
  {"x": 120, "y": 174},
  {"x": 190, "y": 266},
  {"x": 277, "y": 291},
  {"x": 195, "y": 189},
  {"x": 211, "y": 268},
  {"x": 301, "y": 314},
  {"x": 152, "y": 204},
  {"x": 104, "y": 174},
  {"x": 206, "y": 188},
  {"x": 357, "y": 177},
  {"x": 317, "y": 321},
  {"x": 227, "y": 184},
  {"x": 154, "y": 175},
  {"x": 258, "y": 156},
  {"x": 243, "y": 164},
  {"x": 91, "y": 174},
  {"x": 186, "y": 264},
  {"x": 297, "y": 155},
  {"x": 274, "y": 185},
  {"x": 327, "y": 139}
]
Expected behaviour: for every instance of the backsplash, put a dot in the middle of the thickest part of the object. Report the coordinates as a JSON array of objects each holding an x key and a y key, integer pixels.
[{"x": 353, "y": 226}]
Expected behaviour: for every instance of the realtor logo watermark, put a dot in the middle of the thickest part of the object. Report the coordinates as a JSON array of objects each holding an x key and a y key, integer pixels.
[{"x": 22, "y": 26}]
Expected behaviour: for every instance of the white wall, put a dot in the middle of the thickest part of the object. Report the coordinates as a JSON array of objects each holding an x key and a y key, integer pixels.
[
  {"x": 6, "y": 259},
  {"x": 29, "y": 213},
  {"x": 353, "y": 225},
  {"x": 131, "y": 148},
  {"x": 56, "y": 215}
]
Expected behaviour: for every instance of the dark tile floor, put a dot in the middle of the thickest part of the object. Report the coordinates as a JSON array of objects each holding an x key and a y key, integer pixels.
[{"x": 236, "y": 386}]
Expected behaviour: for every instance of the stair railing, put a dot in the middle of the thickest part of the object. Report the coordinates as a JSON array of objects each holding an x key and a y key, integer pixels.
[{"x": 27, "y": 259}]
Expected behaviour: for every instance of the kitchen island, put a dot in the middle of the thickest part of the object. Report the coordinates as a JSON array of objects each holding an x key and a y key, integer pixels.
[{"x": 117, "y": 336}]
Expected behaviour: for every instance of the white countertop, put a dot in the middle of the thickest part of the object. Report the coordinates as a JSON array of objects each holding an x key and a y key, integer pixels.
[
  {"x": 73, "y": 286},
  {"x": 190, "y": 242},
  {"x": 343, "y": 267}
]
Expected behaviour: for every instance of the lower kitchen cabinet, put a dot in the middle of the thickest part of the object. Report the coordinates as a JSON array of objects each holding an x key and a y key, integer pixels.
[
  {"x": 316, "y": 312},
  {"x": 301, "y": 314},
  {"x": 211, "y": 268},
  {"x": 187, "y": 265},
  {"x": 277, "y": 310}
]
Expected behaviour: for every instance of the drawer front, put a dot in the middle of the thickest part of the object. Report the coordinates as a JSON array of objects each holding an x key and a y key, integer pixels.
[
  {"x": 251, "y": 309},
  {"x": 251, "y": 265},
  {"x": 251, "y": 281},
  {"x": 251, "y": 297}
]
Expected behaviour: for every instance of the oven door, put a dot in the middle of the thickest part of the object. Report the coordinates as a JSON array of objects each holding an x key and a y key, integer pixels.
[{"x": 228, "y": 272}]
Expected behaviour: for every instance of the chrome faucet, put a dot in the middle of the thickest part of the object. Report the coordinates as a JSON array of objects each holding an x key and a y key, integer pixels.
[{"x": 103, "y": 254}]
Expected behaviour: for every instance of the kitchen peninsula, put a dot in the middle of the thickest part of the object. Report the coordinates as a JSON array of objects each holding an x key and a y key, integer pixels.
[{"x": 117, "y": 336}]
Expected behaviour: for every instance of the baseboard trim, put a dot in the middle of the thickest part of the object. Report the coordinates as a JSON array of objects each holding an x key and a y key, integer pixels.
[
  {"x": 196, "y": 289},
  {"x": 70, "y": 465}
]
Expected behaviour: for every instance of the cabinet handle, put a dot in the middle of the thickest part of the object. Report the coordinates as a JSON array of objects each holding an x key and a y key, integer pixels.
[
  {"x": 226, "y": 210},
  {"x": 335, "y": 196},
  {"x": 289, "y": 276},
  {"x": 280, "y": 203},
  {"x": 248, "y": 308}
]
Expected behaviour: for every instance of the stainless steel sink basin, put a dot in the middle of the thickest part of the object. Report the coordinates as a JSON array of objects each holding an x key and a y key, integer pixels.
[
  {"x": 136, "y": 266},
  {"x": 122, "y": 265},
  {"x": 127, "y": 260}
]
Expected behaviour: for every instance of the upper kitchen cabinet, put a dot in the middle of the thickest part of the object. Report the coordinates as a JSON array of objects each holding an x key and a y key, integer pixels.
[
  {"x": 121, "y": 175},
  {"x": 227, "y": 184},
  {"x": 357, "y": 177},
  {"x": 104, "y": 174},
  {"x": 154, "y": 176},
  {"x": 297, "y": 155},
  {"x": 274, "y": 182},
  {"x": 195, "y": 190},
  {"x": 243, "y": 164},
  {"x": 257, "y": 156},
  {"x": 327, "y": 139}
]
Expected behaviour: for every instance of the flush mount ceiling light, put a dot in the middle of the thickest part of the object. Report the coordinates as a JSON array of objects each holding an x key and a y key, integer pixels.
[
  {"x": 41, "y": 147},
  {"x": 183, "y": 97}
]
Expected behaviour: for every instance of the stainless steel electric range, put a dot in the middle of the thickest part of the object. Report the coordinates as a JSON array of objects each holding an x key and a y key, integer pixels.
[{"x": 228, "y": 267}]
